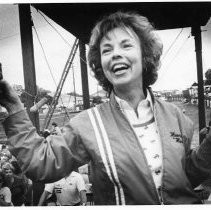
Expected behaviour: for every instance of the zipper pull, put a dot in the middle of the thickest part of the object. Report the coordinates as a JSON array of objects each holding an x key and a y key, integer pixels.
[{"x": 160, "y": 195}]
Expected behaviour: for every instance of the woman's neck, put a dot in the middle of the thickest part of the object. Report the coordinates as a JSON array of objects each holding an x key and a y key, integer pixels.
[{"x": 132, "y": 96}]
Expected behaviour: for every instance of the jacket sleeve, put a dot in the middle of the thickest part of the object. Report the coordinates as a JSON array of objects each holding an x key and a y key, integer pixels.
[
  {"x": 44, "y": 159},
  {"x": 197, "y": 161}
]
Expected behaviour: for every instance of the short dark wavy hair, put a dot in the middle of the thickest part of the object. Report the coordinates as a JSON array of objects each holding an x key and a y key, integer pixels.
[{"x": 150, "y": 45}]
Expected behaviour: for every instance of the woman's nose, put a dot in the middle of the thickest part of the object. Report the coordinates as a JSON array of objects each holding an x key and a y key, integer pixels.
[{"x": 116, "y": 53}]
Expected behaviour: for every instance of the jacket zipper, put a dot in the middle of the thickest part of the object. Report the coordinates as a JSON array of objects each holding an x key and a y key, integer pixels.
[
  {"x": 159, "y": 198},
  {"x": 160, "y": 193}
]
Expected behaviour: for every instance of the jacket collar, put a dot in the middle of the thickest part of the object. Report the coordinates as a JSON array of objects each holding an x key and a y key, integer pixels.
[{"x": 116, "y": 104}]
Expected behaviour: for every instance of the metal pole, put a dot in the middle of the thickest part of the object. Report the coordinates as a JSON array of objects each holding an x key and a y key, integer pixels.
[
  {"x": 84, "y": 76},
  {"x": 28, "y": 60},
  {"x": 196, "y": 32},
  {"x": 74, "y": 84}
]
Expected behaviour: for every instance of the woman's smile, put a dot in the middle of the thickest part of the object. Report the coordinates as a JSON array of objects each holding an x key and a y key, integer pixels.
[{"x": 120, "y": 68}]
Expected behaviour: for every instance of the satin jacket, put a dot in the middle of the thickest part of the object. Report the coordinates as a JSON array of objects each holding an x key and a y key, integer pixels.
[{"x": 103, "y": 136}]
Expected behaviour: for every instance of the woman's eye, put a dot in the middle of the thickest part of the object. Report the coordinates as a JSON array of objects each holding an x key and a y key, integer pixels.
[
  {"x": 127, "y": 45},
  {"x": 106, "y": 51}
]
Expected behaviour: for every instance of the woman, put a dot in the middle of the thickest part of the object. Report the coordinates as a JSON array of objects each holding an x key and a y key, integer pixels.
[{"x": 139, "y": 146}]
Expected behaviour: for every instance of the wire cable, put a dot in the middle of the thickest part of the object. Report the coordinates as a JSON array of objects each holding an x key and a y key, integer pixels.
[
  {"x": 45, "y": 57},
  {"x": 43, "y": 15},
  {"x": 48, "y": 64},
  {"x": 172, "y": 44},
  {"x": 177, "y": 53}
]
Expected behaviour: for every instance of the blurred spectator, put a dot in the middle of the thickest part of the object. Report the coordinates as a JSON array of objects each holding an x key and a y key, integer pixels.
[
  {"x": 3, "y": 146},
  {"x": 46, "y": 133},
  {"x": 18, "y": 172},
  {"x": 5, "y": 156},
  {"x": 70, "y": 191},
  {"x": 17, "y": 184},
  {"x": 55, "y": 129}
]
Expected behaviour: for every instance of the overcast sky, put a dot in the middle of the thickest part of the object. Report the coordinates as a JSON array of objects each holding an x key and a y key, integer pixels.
[{"x": 178, "y": 69}]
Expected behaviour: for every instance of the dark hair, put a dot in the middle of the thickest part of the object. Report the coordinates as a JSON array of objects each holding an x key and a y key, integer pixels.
[
  {"x": 46, "y": 134},
  {"x": 2, "y": 179},
  {"x": 150, "y": 45},
  {"x": 17, "y": 170},
  {"x": 54, "y": 124}
]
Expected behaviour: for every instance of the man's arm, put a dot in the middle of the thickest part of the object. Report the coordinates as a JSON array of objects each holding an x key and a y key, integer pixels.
[
  {"x": 83, "y": 197},
  {"x": 82, "y": 189},
  {"x": 43, "y": 198}
]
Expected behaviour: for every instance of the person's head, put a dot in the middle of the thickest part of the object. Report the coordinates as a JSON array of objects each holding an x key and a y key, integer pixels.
[
  {"x": 3, "y": 146},
  {"x": 122, "y": 44},
  {"x": 7, "y": 169},
  {"x": 46, "y": 133},
  {"x": 54, "y": 124},
  {"x": 5, "y": 155}
]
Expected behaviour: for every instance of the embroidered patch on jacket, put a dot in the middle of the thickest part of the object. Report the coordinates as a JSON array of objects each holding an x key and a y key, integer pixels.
[{"x": 177, "y": 137}]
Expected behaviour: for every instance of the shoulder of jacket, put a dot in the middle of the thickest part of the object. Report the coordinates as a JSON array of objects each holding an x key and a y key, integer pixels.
[
  {"x": 81, "y": 118},
  {"x": 84, "y": 113},
  {"x": 183, "y": 118},
  {"x": 174, "y": 109},
  {"x": 166, "y": 104}
]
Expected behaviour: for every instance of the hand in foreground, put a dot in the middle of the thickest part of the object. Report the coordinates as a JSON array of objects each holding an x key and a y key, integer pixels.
[
  {"x": 204, "y": 131},
  {"x": 9, "y": 98}
]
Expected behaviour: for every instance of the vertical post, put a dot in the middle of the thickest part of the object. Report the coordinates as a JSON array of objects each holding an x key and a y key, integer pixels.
[
  {"x": 29, "y": 77},
  {"x": 196, "y": 32},
  {"x": 28, "y": 60},
  {"x": 84, "y": 76}
]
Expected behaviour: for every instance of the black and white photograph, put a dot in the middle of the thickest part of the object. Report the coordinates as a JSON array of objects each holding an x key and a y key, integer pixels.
[{"x": 105, "y": 103}]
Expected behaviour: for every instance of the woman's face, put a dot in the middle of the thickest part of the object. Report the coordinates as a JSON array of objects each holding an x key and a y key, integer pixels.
[
  {"x": 7, "y": 171},
  {"x": 121, "y": 58}
]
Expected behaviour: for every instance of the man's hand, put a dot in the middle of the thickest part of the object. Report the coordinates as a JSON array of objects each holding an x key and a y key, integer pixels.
[{"x": 9, "y": 98}]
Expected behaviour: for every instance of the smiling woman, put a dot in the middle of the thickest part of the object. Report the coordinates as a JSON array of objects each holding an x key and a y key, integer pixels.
[
  {"x": 138, "y": 30},
  {"x": 138, "y": 146}
]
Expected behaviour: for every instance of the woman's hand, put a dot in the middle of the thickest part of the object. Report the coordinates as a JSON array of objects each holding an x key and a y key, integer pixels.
[{"x": 9, "y": 98}]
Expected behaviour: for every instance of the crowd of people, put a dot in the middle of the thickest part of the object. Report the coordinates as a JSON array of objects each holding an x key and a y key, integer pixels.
[{"x": 15, "y": 188}]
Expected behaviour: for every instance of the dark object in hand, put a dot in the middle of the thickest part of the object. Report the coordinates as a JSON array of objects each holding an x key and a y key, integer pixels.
[{"x": 1, "y": 76}]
